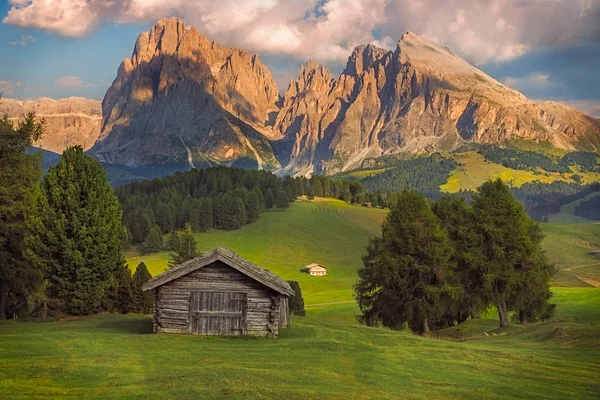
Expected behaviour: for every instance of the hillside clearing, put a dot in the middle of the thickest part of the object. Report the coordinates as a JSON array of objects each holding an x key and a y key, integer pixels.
[{"x": 475, "y": 171}]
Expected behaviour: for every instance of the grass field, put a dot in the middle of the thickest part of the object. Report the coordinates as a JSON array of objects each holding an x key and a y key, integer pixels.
[
  {"x": 475, "y": 171},
  {"x": 363, "y": 173},
  {"x": 326, "y": 354}
]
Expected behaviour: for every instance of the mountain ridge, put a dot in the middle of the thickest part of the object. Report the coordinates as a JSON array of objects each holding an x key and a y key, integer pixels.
[
  {"x": 181, "y": 99},
  {"x": 69, "y": 121}
]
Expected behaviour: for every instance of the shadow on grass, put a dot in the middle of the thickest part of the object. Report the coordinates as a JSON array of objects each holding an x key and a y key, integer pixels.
[{"x": 138, "y": 326}]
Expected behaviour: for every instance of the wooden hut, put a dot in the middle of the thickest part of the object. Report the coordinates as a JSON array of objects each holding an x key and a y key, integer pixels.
[
  {"x": 316, "y": 269},
  {"x": 219, "y": 293}
]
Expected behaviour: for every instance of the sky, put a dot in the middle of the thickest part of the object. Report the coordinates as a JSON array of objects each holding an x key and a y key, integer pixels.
[{"x": 547, "y": 49}]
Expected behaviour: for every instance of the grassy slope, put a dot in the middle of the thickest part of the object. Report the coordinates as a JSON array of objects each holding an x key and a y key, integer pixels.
[
  {"x": 475, "y": 171},
  {"x": 334, "y": 233},
  {"x": 328, "y": 232},
  {"x": 324, "y": 355},
  {"x": 567, "y": 212}
]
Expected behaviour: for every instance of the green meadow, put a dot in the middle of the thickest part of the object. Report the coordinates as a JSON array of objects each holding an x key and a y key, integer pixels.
[{"x": 326, "y": 354}]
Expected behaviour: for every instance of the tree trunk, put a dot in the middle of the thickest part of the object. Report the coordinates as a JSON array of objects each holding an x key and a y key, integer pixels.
[
  {"x": 503, "y": 313},
  {"x": 523, "y": 317},
  {"x": 426, "y": 331},
  {"x": 3, "y": 291}
]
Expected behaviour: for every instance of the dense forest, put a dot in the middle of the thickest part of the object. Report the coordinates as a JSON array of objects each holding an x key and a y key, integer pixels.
[
  {"x": 589, "y": 209},
  {"x": 532, "y": 160},
  {"x": 221, "y": 198},
  {"x": 423, "y": 174}
]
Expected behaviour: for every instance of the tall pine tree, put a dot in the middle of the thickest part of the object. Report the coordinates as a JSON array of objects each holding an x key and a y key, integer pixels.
[
  {"x": 78, "y": 237},
  {"x": 186, "y": 247},
  {"x": 404, "y": 271},
  {"x": 510, "y": 252},
  {"x": 142, "y": 302},
  {"x": 19, "y": 177}
]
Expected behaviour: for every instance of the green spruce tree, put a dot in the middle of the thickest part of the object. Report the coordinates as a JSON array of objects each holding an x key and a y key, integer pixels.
[
  {"x": 78, "y": 238},
  {"x": 510, "y": 251},
  {"x": 20, "y": 280},
  {"x": 296, "y": 302},
  {"x": 142, "y": 303},
  {"x": 404, "y": 270},
  {"x": 154, "y": 240},
  {"x": 186, "y": 249}
]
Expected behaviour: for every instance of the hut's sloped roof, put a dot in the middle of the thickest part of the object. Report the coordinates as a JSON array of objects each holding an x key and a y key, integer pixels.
[
  {"x": 309, "y": 266},
  {"x": 228, "y": 257}
]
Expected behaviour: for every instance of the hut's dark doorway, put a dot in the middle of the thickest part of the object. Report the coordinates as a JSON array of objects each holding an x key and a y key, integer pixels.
[{"x": 218, "y": 313}]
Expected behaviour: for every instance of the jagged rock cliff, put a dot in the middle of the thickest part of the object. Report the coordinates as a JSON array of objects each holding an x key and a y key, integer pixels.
[
  {"x": 183, "y": 99},
  {"x": 417, "y": 98},
  {"x": 69, "y": 122}
]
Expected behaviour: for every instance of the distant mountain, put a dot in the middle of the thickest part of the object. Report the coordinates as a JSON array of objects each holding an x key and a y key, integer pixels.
[
  {"x": 418, "y": 98},
  {"x": 70, "y": 121},
  {"x": 184, "y": 100}
]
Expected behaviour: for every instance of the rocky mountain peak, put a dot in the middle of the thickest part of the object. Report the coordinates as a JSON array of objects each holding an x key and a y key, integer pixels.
[
  {"x": 182, "y": 99},
  {"x": 363, "y": 57}
]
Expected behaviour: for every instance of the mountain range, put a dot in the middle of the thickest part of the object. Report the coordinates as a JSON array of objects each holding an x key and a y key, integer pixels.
[{"x": 182, "y": 99}]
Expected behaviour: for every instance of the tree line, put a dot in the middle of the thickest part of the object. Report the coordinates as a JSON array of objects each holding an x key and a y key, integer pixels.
[
  {"x": 589, "y": 209},
  {"x": 439, "y": 263},
  {"x": 423, "y": 174},
  {"x": 216, "y": 198}
]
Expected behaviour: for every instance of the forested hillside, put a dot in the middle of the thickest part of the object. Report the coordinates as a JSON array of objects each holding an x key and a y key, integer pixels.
[
  {"x": 423, "y": 174},
  {"x": 221, "y": 198}
]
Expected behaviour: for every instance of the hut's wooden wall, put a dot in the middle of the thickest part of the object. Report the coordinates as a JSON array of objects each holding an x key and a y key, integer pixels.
[{"x": 262, "y": 310}]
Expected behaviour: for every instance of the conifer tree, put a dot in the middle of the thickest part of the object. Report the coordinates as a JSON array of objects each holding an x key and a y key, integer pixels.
[
  {"x": 78, "y": 238},
  {"x": 296, "y": 302},
  {"x": 153, "y": 242},
  {"x": 186, "y": 247},
  {"x": 123, "y": 296},
  {"x": 142, "y": 302},
  {"x": 510, "y": 251},
  {"x": 19, "y": 178},
  {"x": 404, "y": 270}
]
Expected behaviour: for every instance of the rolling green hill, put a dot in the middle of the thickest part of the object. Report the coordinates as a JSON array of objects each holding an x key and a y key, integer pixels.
[
  {"x": 335, "y": 234},
  {"x": 324, "y": 231}
]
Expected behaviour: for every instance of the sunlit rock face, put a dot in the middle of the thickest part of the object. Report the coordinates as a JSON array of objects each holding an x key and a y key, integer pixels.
[
  {"x": 418, "y": 98},
  {"x": 73, "y": 121},
  {"x": 183, "y": 99}
]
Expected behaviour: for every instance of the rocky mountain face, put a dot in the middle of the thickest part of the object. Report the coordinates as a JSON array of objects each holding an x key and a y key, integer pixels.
[
  {"x": 418, "y": 98},
  {"x": 183, "y": 99},
  {"x": 69, "y": 122}
]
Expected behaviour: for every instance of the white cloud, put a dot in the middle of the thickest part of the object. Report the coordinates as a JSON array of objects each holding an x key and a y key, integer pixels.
[
  {"x": 69, "y": 82},
  {"x": 7, "y": 88},
  {"x": 25, "y": 40},
  {"x": 589, "y": 107},
  {"x": 75, "y": 82},
  {"x": 327, "y": 30},
  {"x": 533, "y": 80}
]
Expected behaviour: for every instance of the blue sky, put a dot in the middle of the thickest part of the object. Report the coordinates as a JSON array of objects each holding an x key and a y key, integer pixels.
[{"x": 547, "y": 49}]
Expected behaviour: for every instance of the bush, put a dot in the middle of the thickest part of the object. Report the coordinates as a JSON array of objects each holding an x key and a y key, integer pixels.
[{"x": 296, "y": 302}]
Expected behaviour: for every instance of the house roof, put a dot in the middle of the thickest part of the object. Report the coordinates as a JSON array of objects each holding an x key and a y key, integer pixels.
[
  {"x": 309, "y": 266},
  {"x": 228, "y": 257}
]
